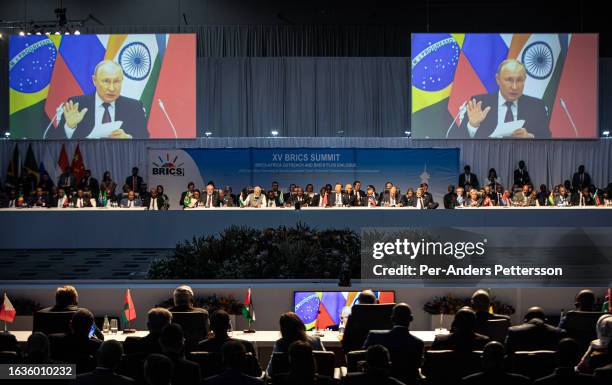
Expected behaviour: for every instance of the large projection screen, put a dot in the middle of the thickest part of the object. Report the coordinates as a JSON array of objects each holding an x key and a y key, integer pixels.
[
  {"x": 501, "y": 85},
  {"x": 102, "y": 86}
]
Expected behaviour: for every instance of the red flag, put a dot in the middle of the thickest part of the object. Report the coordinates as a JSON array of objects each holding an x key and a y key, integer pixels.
[
  {"x": 465, "y": 85},
  {"x": 129, "y": 312},
  {"x": 62, "y": 86},
  {"x": 78, "y": 166},
  {"x": 7, "y": 311},
  {"x": 578, "y": 89},
  {"x": 63, "y": 162},
  {"x": 176, "y": 89}
]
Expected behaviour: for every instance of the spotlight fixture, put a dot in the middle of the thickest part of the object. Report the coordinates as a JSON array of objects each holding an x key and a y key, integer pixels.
[
  {"x": 77, "y": 32},
  {"x": 21, "y": 33},
  {"x": 208, "y": 134},
  {"x": 58, "y": 33},
  {"x": 606, "y": 133},
  {"x": 274, "y": 133},
  {"x": 408, "y": 134},
  {"x": 7, "y": 135},
  {"x": 340, "y": 133}
]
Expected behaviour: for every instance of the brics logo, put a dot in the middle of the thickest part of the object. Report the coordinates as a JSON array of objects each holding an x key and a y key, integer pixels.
[{"x": 168, "y": 167}]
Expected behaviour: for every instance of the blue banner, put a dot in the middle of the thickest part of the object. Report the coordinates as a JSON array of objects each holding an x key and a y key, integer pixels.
[{"x": 238, "y": 168}]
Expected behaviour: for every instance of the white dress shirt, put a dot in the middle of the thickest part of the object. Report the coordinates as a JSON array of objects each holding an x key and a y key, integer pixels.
[
  {"x": 501, "y": 113},
  {"x": 99, "y": 114},
  {"x": 153, "y": 204}
]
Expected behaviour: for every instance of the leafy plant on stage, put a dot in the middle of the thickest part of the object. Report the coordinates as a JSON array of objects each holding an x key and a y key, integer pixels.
[
  {"x": 449, "y": 304},
  {"x": 211, "y": 303},
  {"x": 272, "y": 253}
]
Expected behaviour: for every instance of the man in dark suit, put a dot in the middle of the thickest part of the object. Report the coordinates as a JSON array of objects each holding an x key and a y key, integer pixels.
[
  {"x": 468, "y": 178},
  {"x": 158, "y": 319},
  {"x": 109, "y": 356},
  {"x": 40, "y": 199},
  {"x": 377, "y": 369},
  {"x": 183, "y": 303},
  {"x": 494, "y": 371},
  {"x": 134, "y": 181},
  {"x": 581, "y": 179},
  {"x": 190, "y": 188},
  {"x": 421, "y": 200},
  {"x": 225, "y": 199},
  {"x": 405, "y": 349},
  {"x": 172, "y": 343},
  {"x": 106, "y": 105},
  {"x": 358, "y": 193},
  {"x": 79, "y": 346},
  {"x": 67, "y": 180},
  {"x": 485, "y": 112},
  {"x": 220, "y": 325},
  {"x": 481, "y": 303},
  {"x": 533, "y": 333},
  {"x": 321, "y": 199},
  {"x": 158, "y": 370},
  {"x": 463, "y": 337},
  {"x": 568, "y": 352},
  {"x": 66, "y": 304},
  {"x": 298, "y": 197},
  {"x": 233, "y": 359},
  {"x": 521, "y": 175},
  {"x": 450, "y": 198},
  {"x": 338, "y": 198},
  {"x": 210, "y": 198},
  {"x": 90, "y": 183},
  {"x": 153, "y": 201}
]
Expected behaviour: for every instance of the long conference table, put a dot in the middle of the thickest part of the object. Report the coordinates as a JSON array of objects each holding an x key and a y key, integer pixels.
[{"x": 122, "y": 228}]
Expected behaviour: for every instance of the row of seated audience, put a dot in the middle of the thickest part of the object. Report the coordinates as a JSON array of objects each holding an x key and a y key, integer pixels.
[
  {"x": 379, "y": 349},
  {"x": 469, "y": 192}
]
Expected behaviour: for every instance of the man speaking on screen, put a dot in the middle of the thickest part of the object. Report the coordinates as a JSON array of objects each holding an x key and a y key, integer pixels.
[
  {"x": 506, "y": 113},
  {"x": 104, "y": 113}
]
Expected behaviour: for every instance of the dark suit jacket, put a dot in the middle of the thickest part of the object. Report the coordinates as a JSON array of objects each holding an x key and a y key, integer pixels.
[
  {"x": 53, "y": 319},
  {"x": 314, "y": 202},
  {"x": 232, "y": 377},
  {"x": 136, "y": 183},
  {"x": 44, "y": 201},
  {"x": 426, "y": 201},
  {"x": 483, "y": 316},
  {"x": 473, "y": 179},
  {"x": 160, "y": 202},
  {"x": 129, "y": 111},
  {"x": 459, "y": 342},
  {"x": 72, "y": 349},
  {"x": 530, "y": 109},
  {"x": 66, "y": 181},
  {"x": 533, "y": 335},
  {"x": 566, "y": 376},
  {"x": 406, "y": 351},
  {"x": 305, "y": 200},
  {"x": 214, "y": 199},
  {"x": 586, "y": 181},
  {"x": 343, "y": 197},
  {"x": 213, "y": 345},
  {"x": 369, "y": 379},
  {"x": 103, "y": 376},
  {"x": 495, "y": 379},
  {"x": 92, "y": 185},
  {"x": 185, "y": 372},
  {"x": 387, "y": 198},
  {"x": 521, "y": 179}
]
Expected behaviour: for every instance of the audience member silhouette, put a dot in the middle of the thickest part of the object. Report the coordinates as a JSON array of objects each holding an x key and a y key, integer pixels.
[
  {"x": 462, "y": 337},
  {"x": 158, "y": 370},
  {"x": 533, "y": 333},
  {"x": 220, "y": 325},
  {"x": 568, "y": 352},
  {"x": 79, "y": 346},
  {"x": 172, "y": 342},
  {"x": 494, "y": 372},
  {"x": 598, "y": 353},
  {"x": 109, "y": 356},
  {"x": 585, "y": 301},
  {"x": 302, "y": 367},
  {"x": 158, "y": 319},
  {"x": 377, "y": 369},
  {"x": 233, "y": 360},
  {"x": 481, "y": 304}
]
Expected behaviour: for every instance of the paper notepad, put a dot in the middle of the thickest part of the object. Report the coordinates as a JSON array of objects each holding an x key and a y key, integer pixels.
[
  {"x": 104, "y": 130},
  {"x": 505, "y": 129}
]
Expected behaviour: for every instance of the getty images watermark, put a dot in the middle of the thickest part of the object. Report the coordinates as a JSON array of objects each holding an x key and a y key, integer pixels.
[{"x": 456, "y": 256}]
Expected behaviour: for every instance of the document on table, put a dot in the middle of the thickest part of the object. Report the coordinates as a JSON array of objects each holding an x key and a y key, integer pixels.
[{"x": 104, "y": 130}]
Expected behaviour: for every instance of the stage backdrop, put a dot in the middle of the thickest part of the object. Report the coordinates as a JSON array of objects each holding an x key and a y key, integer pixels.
[
  {"x": 156, "y": 84},
  {"x": 242, "y": 167},
  {"x": 556, "y": 99}
]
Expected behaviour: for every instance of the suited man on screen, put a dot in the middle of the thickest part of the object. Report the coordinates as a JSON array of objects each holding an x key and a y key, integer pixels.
[
  {"x": 485, "y": 112},
  {"x": 106, "y": 105}
]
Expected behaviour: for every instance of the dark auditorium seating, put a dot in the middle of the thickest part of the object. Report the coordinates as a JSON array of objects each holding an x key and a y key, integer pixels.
[
  {"x": 326, "y": 362},
  {"x": 535, "y": 364},
  {"x": 195, "y": 327},
  {"x": 444, "y": 367},
  {"x": 496, "y": 329},
  {"x": 7, "y": 357},
  {"x": 364, "y": 318},
  {"x": 52, "y": 322},
  {"x": 212, "y": 363},
  {"x": 580, "y": 325},
  {"x": 355, "y": 361}
]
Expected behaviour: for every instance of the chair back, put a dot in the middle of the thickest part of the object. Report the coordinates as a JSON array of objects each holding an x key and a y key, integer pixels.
[
  {"x": 326, "y": 362},
  {"x": 580, "y": 325},
  {"x": 211, "y": 363},
  {"x": 443, "y": 367},
  {"x": 534, "y": 364},
  {"x": 52, "y": 322},
  {"x": 195, "y": 327},
  {"x": 497, "y": 329},
  {"x": 364, "y": 318},
  {"x": 355, "y": 361},
  {"x": 9, "y": 357}
]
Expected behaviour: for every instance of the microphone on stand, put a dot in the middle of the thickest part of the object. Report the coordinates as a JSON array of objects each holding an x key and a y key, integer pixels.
[
  {"x": 161, "y": 105},
  {"x": 56, "y": 118},
  {"x": 569, "y": 116},
  {"x": 460, "y": 114}
]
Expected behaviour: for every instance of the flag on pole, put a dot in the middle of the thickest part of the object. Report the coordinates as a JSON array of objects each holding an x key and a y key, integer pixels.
[
  {"x": 607, "y": 306},
  {"x": 63, "y": 163},
  {"x": 7, "y": 312},
  {"x": 30, "y": 164},
  {"x": 248, "y": 310},
  {"x": 129, "y": 312},
  {"x": 78, "y": 166},
  {"x": 12, "y": 173}
]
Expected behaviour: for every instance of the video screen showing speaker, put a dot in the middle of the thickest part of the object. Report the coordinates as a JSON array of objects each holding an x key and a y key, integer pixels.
[
  {"x": 504, "y": 86},
  {"x": 325, "y": 309},
  {"x": 102, "y": 86}
]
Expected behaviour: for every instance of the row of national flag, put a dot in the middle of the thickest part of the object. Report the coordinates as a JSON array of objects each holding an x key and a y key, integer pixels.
[{"x": 47, "y": 165}]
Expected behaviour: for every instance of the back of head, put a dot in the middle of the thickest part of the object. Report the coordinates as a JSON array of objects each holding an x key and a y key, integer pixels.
[
  {"x": 493, "y": 356},
  {"x": 172, "y": 339},
  {"x": 158, "y": 370},
  {"x": 535, "y": 312},
  {"x": 301, "y": 360},
  {"x": 402, "y": 315},
  {"x": 81, "y": 322},
  {"x": 38, "y": 347},
  {"x": 481, "y": 300},
  {"x": 183, "y": 296},
  {"x": 158, "y": 319},
  {"x": 292, "y": 328},
  {"x": 366, "y": 297},
  {"x": 585, "y": 300},
  {"x": 465, "y": 320},
  {"x": 220, "y": 323},
  {"x": 66, "y": 296},
  {"x": 233, "y": 353},
  {"x": 109, "y": 354},
  {"x": 604, "y": 331},
  {"x": 569, "y": 352},
  {"x": 378, "y": 360}
]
